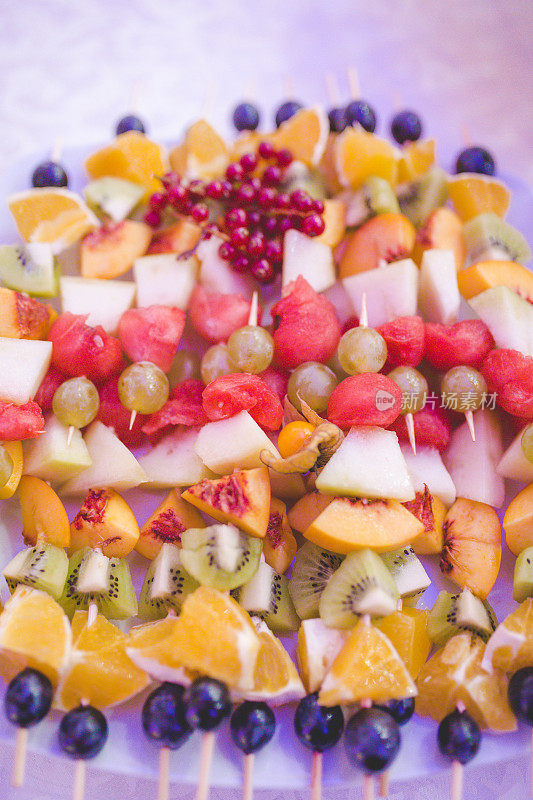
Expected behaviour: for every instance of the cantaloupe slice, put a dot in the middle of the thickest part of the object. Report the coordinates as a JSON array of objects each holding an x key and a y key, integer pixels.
[{"x": 487, "y": 274}]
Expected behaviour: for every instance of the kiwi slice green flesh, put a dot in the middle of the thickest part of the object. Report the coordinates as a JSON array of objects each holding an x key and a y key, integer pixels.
[
  {"x": 453, "y": 613},
  {"x": 375, "y": 196},
  {"x": 361, "y": 585},
  {"x": 313, "y": 567},
  {"x": 166, "y": 585},
  {"x": 409, "y": 575},
  {"x": 267, "y": 596},
  {"x": 220, "y": 556},
  {"x": 43, "y": 567},
  {"x": 523, "y": 576},
  {"x": 420, "y": 197},
  {"x": 488, "y": 236},
  {"x": 114, "y": 197},
  {"x": 31, "y": 269},
  {"x": 110, "y": 578},
  {"x": 310, "y": 181}
]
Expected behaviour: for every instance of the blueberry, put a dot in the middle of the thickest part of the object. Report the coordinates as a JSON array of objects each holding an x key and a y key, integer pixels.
[
  {"x": 130, "y": 123},
  {"x": 406, "y": 126},
  {"x": 163, "y": 716},
  {"x": 28, "y": 698},
  {"x": 246, "y": 117},
  {"x": 49, "y": 173},
  {"x": 252, "y": 726},
  {"x": 83, "y": 732},
  {"x": 475, "y": 159},
  {"x": 337, "y": 120},
  {"x": 520, "y": 694},
  {"x": 287, "y": 110},
  {"x": 360, "y": 112},
  {"x": 208, "y": 702},
  {"x": 318, "y": 727},
  {"x": 372, "y": 739},
  {"x": 459, "y": 737},
  {"x": 401, "y": 710}
]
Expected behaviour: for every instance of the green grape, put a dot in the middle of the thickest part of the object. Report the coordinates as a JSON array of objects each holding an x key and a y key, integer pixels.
[
  {"x": 463, "y": 389},
  {"x": 6, "y": 466},
  {"x": 250, "y": 349},
  {"x": 527, "y": 442},
  {"x": 335, "y": 366},
  {"x": 215, "y": 363},
  {"x": 186, "y": 365},
  {"x": 362, "y": 350},
  {"x": 76, "y": 402},
  {"x": 314, "y": 382},
  {"x": 143, "y": 387},
  {"x": 414, "y": 388}
]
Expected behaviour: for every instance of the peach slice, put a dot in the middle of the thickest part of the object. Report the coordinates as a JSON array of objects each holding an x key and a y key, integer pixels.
[
  {"x": 487, "y": 274},
  {"x": 165, "y": 526},
  {"x": 518, "y": 521},
  {"x": 442, "y": 230},
  {"x": 178, "y": 238},
  {"x": 431, "y": 512},
  {"x": 23, "y": 317},
  {"x": 242, "y": 499},
  {"x": 279, "y": 544},
  {"x": 110, "y": 251},
  {"x": 43, "y": 514},
  {"x": 386, "y": 237},
  {"x": 105, "y": 521},
  {"x": 335, "y": 221},
  {"x": 307, "y": 509}
]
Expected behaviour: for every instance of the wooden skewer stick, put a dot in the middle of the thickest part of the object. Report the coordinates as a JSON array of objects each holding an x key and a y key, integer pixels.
[
  {"x": 252, "y": 319},
  {"x": 289, "y": 86},
  {"x": 457, "y": 768},
  {"x": 57, "y": 150},
  {"x": 70, "y": 434},
  {"x": 410, "y": 425},
  {"x": 363, "y": 317},
  {"x": 135, "y": 97},
  {"x": 132, "y": 418},
  {"x": 384, "y": 783},
  {"x": 353, "y": 81},
  {"x": 79, "y": 768},
  {"x": 470, "y": 422},
  {"x": 397, "y": 100},
  {"x": 164, "y": 768},
  {"x": 248, "y": 777},
  {"x": 465, "y": 135},
  {"x": 332, "y": 89},
  {"x": 208, "y": 743},
  {"x": 19, "y": 765},
  {"x": 316, "y": 776},
  {"x": 368, "y": 780}
]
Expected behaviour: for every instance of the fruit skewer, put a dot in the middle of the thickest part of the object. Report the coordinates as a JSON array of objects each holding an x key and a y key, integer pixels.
[
  {"x": 28, "y": 700},
  {"x": 318, "y": 728},
  {"x": 208, "y": 703},
  {"x": 458, "y": 738},
  {"x": 52, "y": 172},
  {"x": 252, "y": 726}
]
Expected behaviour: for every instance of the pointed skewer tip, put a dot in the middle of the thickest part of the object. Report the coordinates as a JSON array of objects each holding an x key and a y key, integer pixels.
[{"x": 470, "y": 422}]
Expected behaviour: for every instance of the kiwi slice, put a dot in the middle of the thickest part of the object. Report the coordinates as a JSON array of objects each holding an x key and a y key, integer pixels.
[
  {"x": 488, "y": 237},
  {"x": 453, "y": 613},
  {"x": 31, "y": 268},
  {"x": 220, "y": 556},
  {"x": 267, "y": 596},
  {"x": 311, "y": 181},
  {"x": 313, "y": 567},
  {"x": 95, "y": 578},
  {"x": 420, "y": 197},
  {"x": 361, "y": 585},
  {"x": 375, "y": 196},
  {"x": 165, "y": 586},
  {"x": 409, "y": 575},
  {"x": 43, "y": 567},
  {"x": 523, "y": 576},
  {"x": 114, "y": 197}
]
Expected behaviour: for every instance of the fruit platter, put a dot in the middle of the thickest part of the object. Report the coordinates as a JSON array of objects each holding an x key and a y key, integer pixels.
[{"x": 266, "y": 462}]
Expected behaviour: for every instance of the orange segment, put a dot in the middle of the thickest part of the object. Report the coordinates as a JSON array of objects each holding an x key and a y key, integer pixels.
[
  {"x": 275, "y": 677},
  {"x": 34, "y": 632},
  {"x": 406, "y": 630},
  {"x": 474, "y": 194},
  {"x": 511, "y": 645},
  {"x": 203, "y": 154},
  {"x": 133, "y": 157},
  {"x": 416, "y": 159},
  {"x": 305, "y": 135},
  {"x": 368, "y": 666},
  {"x": 98, "y": 636},
  {"x": 56, "y": 216},
  {"x": 15, "y": 451},
  {"x": 359, "y": 154},
  {"x": 455, "y": 674}
]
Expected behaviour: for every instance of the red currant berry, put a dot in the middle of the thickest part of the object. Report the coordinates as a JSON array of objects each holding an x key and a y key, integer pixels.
[
  {"x": 266, "y": 150},
  {"x": 245, "y": 194},
  {"x": 271, "y": 176},
  {"x": 273, "y": 250},
  {"x": 254, "y": 219},
  {"x": 285, "y": 224},
  {"x": 256, "y": 245},
  {"x": 263, "y": 271},
  {"x": 283, "y": 201},
  {"x": 226, "y": 251},
  {"x": 158, "y": 201},
  {"x": 235, "y": 218},
  {"x": 214, "y": 190},
  {"x": 241, "y": 263},
  {"x": 301, "y": 200},
  {"x": 313, "y": 225},
  {"x": 270, "y": 226},
  {"x": 169, "y": 178},
  {"x": 199, "y": 212},
  {"x": 318, "y": 206},
  {"x": 255, "y": 183},
  {"x": 226, "y": 189},
  {"x": 177, "y": 195},
  {"x": 284, "y": 158},
  {"x": 234, "y": 172},
  {"x": 248, "y": 162},
  {"x": 152, "y": 218},
  {"x": 266, "y": 197},
  {"x": 240, "y": 236}
]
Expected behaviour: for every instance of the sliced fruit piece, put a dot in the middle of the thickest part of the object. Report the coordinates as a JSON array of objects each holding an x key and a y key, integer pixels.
[
  {"x": 416, "y": 159},
  {"x": 105, "y": 521},
  {"x": 309, "y": 257},
  {"x": 409, "y": 575},
  {"x": 24, "y": 363},
  {"x": 241, "y": 498},
  {"x": 42, "y": 567},
  {"x": 307, "y": 509},
  {"x": 438, "y": 292},
  {"x": 204, "y": 155},
  {"x": 488, "y": 236},
  {"x": 406, "y": 630},
  {"x": 55, "y": 216},
  {"x": 426, "y": 468},
  {"x": 472, "y": 546},
  {"x": 513, "y": 463},
  {"x": 114, "y": 197},
  {"x": 266, "y": 595},
  {"x": 419, "y": 198},
  {"x": 511, "y": 645},
  {"x": 386, "y": 237},
  {"x": 454, "y": 674},
  {"x": 431, "y": 512},
  {"x": 443, "y": 230},
  {"x": 99, "y": 636},
  {"x": 43, "y": 515},
  {"x": 276, "y": 680},
  {"x": 166, "y": 585},
  {"x": 174, "y": 461},
  {"x": 23, "y": 317},
  {"x": 376, "y": 196},
  {"x": 57, "y": 454},
  {"x": 508, "y": 316},
  {"x": 29, "y": 268},
  {"x": 289, "y": 487},
  {"x": 165, "y": 280},
  {"x": 34, "y": 632},
  {"x": 453, "y": 613},
  {"x": 144, "y": 639},
  {"x": 233, "y": 443},
  {"x": 391, "y": 291},
  {"x": 317, "y": 648},
  {"x": 484, "y": 275},
  {"x": 368, "y": 463},
  {"x": 367, "y": 667},
  {"x": 133, "y": 157},
  {"x": 165, "y": 526},
  {"x": 358, "y": 154},
  {"x": 113, "y": 466},
  {"x": 523, "y": 575},
  {"x": 103, "y": 302},
  {"x": 334, "y": 217},
  {"x": 312, "y": 569},
  {"x": 347, "y": 525},
  {"x": 361, "y": 585},
  {"x": 14, "y": 451},
  {"x": 95, "y": 578},
  {"x": 305, "y": 134},
  {"x": 216, "y": 275},
  {"x": 518, "y": 521},
  {"x": 279, "y": 544},
  {"x": 220, "y": 556},
  {"x": 474, "y": 194},
  {"x": 110, "y": 250}
]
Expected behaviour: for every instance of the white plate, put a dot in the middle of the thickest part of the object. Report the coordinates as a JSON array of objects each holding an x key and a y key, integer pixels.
[{"x": 128, "y": 765}]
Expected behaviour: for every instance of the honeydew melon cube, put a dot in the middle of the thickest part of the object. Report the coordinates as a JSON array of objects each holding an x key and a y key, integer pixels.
[
  {"x": 216, "y": 274},
  {"x": 508, "y": 316},
  {"x": 391, "y": 291},
  {"x": 165, "y": 280},
  {"x": 174, "y": 462},
  {"x": 23, "y": 365},
  {"x": 113, "y": 465},
  {"x": 438, "y": 293},
  {"x": 513, "y": 464},
  {"x": 308, "y": 257},
  {"x": 232, "y": 443},
  {"x": 427, "y": 468},
  {"x": 337, "y": 295},
  {"x": 103, "y": 300},
  {"x": 52, "y": 457},
  {"x": 369, "y": 463}
]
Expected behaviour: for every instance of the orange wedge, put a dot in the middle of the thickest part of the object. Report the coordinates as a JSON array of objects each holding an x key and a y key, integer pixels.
[
  {"x": 474, "y": 194},
  {"x": 359, "y": 154},
  {"x": 416, "y": 159},
  {"x": 305, "y": 135},
  {"x": 203, "y": 154},
  {"x": 133, "y": 157},
  {"x": 275, "y": 677},
  {"x": 511, "y": 645},
  {"x": 406, "y": 630},
  {"x": 14, "y": 449},
  {"x": 34, "y": 632},
  {"x": 368, "y": 666},
  {"x": 55, "y": 216}
]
